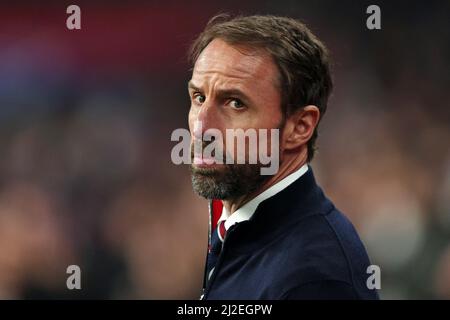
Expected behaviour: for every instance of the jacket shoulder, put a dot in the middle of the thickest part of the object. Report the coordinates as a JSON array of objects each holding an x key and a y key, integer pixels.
[{"x": 324, "y": 250}]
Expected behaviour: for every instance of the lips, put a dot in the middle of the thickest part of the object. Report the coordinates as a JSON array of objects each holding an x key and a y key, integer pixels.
[{"x": 202, "y": 160}]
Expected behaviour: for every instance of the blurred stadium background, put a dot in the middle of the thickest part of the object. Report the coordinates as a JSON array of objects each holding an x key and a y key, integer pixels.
[{"x": 85, "y": 124}]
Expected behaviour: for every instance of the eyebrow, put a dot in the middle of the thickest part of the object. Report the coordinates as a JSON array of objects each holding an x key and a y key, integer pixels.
[
  {"x": 224, "y": 92},
  {"x": 192, "y": 86}
]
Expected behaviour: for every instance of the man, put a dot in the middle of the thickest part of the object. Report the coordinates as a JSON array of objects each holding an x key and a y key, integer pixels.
[{"x": 271, "y": 236}]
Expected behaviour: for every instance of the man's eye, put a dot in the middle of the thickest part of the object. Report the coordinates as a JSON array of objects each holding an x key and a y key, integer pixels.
[
  {"x": 236, "y": 104},
  {"x": 199, "y": 98}
]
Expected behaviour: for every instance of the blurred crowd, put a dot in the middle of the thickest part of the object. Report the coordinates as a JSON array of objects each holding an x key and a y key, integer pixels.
[{"x": 85, "y": 171}]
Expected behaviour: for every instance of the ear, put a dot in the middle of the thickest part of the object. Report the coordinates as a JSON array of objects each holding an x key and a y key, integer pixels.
[{"x": 300, "y": 127}]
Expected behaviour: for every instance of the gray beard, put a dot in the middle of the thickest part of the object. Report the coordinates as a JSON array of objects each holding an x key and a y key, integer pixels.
[{"x": 227, "y": 183}]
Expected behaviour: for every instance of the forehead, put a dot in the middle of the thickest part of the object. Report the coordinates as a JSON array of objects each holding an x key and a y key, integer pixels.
[{"x": 235, "y": 63}]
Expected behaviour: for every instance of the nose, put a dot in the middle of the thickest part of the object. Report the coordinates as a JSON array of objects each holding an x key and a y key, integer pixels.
[{"x": 205, "y": 118}]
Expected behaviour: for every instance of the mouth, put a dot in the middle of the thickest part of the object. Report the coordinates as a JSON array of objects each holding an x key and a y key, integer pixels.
[{"x": 202, "y": 161}]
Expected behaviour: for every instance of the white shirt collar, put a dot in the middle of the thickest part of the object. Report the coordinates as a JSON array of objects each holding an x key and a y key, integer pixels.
[{"x": 246, "y": 211}]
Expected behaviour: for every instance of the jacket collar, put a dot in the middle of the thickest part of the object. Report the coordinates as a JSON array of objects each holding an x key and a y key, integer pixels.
[{"x": 276, "y": 214}]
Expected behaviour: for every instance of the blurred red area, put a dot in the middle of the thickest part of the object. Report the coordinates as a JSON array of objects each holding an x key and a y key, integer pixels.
[{"x": 123, "y": 36}]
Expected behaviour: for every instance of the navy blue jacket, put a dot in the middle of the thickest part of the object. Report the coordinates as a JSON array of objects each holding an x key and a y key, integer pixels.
[{"x": 296, "y": 245}]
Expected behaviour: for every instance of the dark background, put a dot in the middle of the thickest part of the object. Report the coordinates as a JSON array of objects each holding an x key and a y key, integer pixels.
[{"x": 85, "y": 121}]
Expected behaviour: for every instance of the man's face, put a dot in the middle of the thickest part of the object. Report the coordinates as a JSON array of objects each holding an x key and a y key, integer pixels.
[{"x": 232, "y": 87}]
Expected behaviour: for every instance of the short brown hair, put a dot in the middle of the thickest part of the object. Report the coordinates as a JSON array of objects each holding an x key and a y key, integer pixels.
[{"x": 301, "y": 58}]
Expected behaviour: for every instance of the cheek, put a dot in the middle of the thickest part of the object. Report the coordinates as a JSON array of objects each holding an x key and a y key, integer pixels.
[
  {"x": 265, "y": 120},
  {"x": 274, "y": 116}
]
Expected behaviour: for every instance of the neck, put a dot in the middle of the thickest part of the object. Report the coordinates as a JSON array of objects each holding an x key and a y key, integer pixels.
[{"x": 289, "y": 165}]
